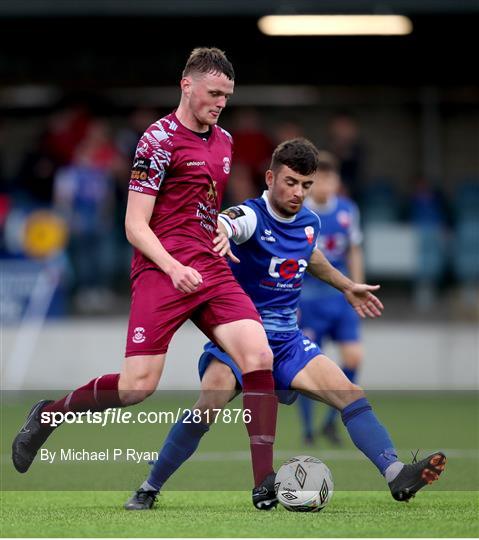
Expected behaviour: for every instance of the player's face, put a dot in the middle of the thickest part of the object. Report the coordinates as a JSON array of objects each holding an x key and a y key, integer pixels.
[
  {"x": 287, "y": 190},
  {"x": 325, "y": 186},
  {"x": 207, "y": 96}
]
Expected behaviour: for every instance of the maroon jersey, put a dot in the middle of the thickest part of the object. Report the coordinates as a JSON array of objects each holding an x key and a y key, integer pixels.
[{"x": 187, "y": 174}]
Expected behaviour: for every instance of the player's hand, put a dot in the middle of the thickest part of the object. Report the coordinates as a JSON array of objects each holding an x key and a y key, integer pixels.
[
  {"x": 222, "y": 246},
  {"x": 185, "y": 278},
  {"x": 364, "y": 302}
]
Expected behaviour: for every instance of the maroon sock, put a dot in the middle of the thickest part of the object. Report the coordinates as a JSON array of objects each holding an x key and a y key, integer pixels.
[
  {"x": 260, "y": 399},
  {"x": 97, "y": 395}
]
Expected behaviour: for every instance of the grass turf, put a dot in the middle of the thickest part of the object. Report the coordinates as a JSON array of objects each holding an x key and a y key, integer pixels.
[
  {"x": 32, "y": 505},
  {"x": 224, "y": 514}
]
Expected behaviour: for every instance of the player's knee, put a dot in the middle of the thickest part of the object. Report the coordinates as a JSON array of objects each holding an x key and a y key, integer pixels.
[
  {"x": 352, "y": 355},
  {"x": 263, "y": 359},
  {"x": 222, "y": 380},
  {"x": 137, "y": 390}
]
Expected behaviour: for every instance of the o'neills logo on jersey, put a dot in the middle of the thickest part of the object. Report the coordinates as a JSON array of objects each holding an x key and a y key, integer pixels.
[
  {"x": 226, "y": 165},
  {"x": 309, "y": 234},
  {"x": 195, "y": 163}
]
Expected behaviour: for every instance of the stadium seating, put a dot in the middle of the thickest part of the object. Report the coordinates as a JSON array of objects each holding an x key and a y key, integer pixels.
[{"x": 379, "y": 202}]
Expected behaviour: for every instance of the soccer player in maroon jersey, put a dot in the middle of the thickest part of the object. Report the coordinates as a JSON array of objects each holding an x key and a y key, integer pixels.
[{"x": 180, "y": 170}]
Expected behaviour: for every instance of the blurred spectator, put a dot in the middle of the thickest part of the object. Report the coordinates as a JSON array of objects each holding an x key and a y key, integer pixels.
[
  {"x": 34, "y": 180},
  {"x": 380, "y": 202},
  {"x": 344, "y": 142},
  {"x": 84, "y": 194},
  {"x": 138, "y": 121},
  {"x": 55, "y": 147},
  {"x": 429, "y": 217},
  {"x": 5, "y": 200},
  {"x": 3, "y": 178},
  {"x": 466, "y": 245},
  {"x": 427, "y": 204},
  {"x": 252, "y": 154},
  {"x": 126, "y": 141},
  {"x": 287, "y": 130},
  {"x": 66, "y": 128}
]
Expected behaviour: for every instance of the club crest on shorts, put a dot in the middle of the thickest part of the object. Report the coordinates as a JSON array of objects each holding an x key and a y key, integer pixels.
[
  {"x": 309, "y": 231},
  {"x": 138, "y": 335}
]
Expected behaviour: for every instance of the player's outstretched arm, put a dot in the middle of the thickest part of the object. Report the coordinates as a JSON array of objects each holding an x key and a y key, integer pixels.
[
  {"x": 236, "y": 223},
  {"x": 222, "y": 243},
  {"x": 141, "y": 236},
  {"x": 364, "y": 302},
  {"x": 360, "y": 296}
]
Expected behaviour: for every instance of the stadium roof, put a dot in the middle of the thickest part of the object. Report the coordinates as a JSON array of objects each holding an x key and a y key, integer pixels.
[{"x": 49, "y": 8}]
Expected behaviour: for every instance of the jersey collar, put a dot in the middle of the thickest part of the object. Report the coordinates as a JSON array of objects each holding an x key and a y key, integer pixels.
[
  {"x": 209, "y": 133},
  {"x": 274, "y": 214}
]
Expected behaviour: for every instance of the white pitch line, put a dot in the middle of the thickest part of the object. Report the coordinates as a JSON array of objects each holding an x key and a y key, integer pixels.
[
  {"x": 325, "y": 455},
  {"x": 329, "y": 455}
]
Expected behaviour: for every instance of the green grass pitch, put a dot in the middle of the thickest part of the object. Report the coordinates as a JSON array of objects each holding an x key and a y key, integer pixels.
[
  {"x": 210, "y": 496},
  {"x": 224, "y": 514}
]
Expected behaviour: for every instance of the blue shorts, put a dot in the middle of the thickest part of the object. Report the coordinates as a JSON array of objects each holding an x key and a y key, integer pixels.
[
  {"x": 291, "y": 350},
  {"x": 331, "y": 317}
]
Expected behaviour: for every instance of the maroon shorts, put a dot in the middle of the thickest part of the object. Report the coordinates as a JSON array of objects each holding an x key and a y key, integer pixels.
[{"x": 158, "y": 309}]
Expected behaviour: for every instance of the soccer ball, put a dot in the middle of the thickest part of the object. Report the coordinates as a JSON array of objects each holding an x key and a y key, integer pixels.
[{"x": 304, "y": 484}]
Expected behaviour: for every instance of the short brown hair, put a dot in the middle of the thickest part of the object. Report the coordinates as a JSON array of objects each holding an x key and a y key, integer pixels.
[
  {"x": 209, "y": 60},
  {"x": 299, "y": 154}
]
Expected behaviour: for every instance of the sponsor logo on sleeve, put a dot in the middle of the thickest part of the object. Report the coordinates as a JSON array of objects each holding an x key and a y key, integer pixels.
[
  {"x": 233, "y": 212},
  {"x": 140, "y": 170}
]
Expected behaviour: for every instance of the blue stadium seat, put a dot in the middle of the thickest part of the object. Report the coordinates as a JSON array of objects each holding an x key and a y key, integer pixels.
[
  {"x": 466, "y": 199},
  {"x": 380, "y": 202},
  {"x": 466, "y": 249},
  {"x": 431, "y": 256}
]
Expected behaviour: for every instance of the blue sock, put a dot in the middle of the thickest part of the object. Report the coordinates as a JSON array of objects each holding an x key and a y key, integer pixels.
[
  {"x": 181, "y": 442},
  {"x": 306, "y": 413},
  {"x": 368, "y": 434},
  {"x": 330, "y": 418}
]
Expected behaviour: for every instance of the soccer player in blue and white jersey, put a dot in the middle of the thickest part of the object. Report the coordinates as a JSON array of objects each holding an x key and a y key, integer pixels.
[
  {"x": 324, "y": 311},
  {"x": 274, "y": 243}
]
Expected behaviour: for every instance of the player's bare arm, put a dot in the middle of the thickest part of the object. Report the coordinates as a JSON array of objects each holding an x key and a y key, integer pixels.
[
  {"x": 222, "y": 243},
  {"x": 359, "y": 295},
  {"x": 140, "y": 235},
  {"x": 355, "y": 263}
]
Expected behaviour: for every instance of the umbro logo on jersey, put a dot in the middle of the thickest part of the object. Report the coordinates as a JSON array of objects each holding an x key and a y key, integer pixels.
[{"x": 195, "y": 163}]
